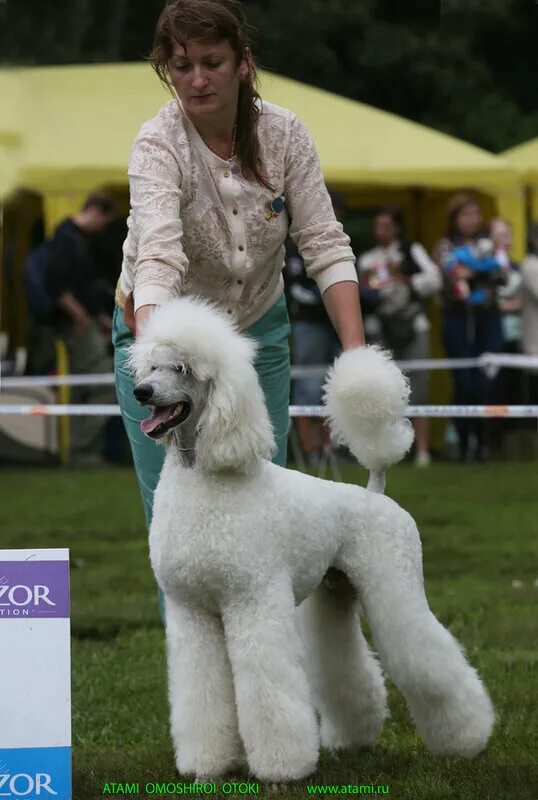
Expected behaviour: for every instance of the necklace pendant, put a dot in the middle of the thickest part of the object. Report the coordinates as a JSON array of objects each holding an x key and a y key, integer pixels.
[{"x": 232, "y": 154}]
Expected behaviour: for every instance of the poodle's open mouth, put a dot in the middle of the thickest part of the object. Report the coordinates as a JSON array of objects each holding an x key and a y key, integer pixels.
[{"x": 164, "y": 418}]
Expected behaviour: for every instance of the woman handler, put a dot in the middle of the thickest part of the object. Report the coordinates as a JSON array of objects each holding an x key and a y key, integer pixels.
[{"x": 217, "y": 178}]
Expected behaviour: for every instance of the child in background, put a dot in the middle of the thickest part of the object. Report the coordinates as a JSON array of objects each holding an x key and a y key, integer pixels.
[{"x": 509, "y": 294}]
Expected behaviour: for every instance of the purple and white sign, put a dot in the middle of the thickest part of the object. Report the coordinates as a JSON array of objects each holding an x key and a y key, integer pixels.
[
  {"x": 35, "y": 663},
  {"x": 34, "y": 589}
]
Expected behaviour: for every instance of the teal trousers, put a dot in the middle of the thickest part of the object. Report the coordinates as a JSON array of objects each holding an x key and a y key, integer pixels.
[{"x": 272, "y": 365}]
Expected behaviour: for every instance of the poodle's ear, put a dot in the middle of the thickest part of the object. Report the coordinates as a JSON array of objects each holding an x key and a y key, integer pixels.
[{"x": 234, "y": 429}]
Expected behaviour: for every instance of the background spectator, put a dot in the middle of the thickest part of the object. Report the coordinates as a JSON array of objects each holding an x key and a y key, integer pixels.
[
  {"x": 81, "y": 317},
  {"x": 510, "y": 304},
  {"x": 314, "y": 342},
  {"x": 471, "y": 318},
  {"x": 41, "y": 349},
  {"x": 529, "y": 281},
  {"x": 396, "y": 278},
  {"x": 509, "y": 294}
]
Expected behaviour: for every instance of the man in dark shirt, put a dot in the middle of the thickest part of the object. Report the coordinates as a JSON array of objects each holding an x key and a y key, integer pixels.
[
  {"x": 71, "y": 276},
  {"x": 81, "y": 319}
]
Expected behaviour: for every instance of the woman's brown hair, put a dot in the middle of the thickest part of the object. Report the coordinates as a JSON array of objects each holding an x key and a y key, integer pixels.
[
  {"x": 456, "y": 204},
  {"x": 204, "y": 20}
]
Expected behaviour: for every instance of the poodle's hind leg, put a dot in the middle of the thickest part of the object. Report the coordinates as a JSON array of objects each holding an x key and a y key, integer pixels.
[
  {"x": 277, "y": 720},
  {"x": 202, "y": 702},
  {"x": 347, "y": 681},
  {"x": 449, "y": 705}
]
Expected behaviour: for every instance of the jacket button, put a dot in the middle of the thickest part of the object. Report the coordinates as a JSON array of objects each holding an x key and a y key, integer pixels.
[
  {"x": 241, "y": 248},
  {"x": 234, "y": 211},
  {"x": 239, "y": 282},
  {"x": 226, "y": 174}
]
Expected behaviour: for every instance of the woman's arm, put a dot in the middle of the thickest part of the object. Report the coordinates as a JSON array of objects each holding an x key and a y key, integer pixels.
[
  {"x": 142, "y": 314},
  {"x": 155, "y": 181},
  {"x": 343, "y": 307},
  {"x": 320, "y": 238}
]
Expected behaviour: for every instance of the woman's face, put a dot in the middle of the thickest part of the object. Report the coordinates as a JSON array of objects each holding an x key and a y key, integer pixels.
[
  {"x": 469, "y": 220},
  {"x": 385, "y": 229},
  {"x": 206, "y": 77}
]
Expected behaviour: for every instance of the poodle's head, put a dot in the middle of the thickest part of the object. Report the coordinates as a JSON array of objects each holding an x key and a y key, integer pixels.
[{"x": 195, "y": 370}]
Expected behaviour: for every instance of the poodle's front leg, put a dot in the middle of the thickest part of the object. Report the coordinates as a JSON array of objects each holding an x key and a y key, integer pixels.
[
  {"x": 202, "y": 702},
  {"x": 276, "y": 716}
]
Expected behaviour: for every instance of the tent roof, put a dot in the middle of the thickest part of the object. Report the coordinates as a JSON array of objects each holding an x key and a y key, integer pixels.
[
  {"x": 358, "y": 143},
  {"x": 524, "y": 157},
  {"x": 10, "y": 130},
  {"x": 77, "y": 125}
]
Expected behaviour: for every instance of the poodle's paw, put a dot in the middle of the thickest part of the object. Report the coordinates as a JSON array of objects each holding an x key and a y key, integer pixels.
[
  {"x": 362, "y": 731},
  {"x": 355, "y": 717},
  {"x": 460, "y": 726},
  {"x": 207, "y": 766},
  {"x": 284, "y": 760}
]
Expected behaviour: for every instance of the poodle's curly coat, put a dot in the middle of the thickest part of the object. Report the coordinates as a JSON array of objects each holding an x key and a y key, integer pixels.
[{"x": 238, "y": 543}]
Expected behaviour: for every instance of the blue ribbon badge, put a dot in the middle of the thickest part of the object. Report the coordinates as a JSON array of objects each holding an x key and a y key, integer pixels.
[{"x": 277, "y": 205}]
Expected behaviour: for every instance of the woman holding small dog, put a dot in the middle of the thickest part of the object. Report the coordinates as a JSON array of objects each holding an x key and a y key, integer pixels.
[
  {"x": 471, "y": 317},
  {"x": 215, "y": 177}
]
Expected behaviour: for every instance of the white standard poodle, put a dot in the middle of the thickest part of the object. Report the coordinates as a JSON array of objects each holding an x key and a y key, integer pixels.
[{"x": 238, "y": 543}]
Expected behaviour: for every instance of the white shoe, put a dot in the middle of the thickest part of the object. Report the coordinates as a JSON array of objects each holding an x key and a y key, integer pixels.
[{"x": 423, "y": 459}]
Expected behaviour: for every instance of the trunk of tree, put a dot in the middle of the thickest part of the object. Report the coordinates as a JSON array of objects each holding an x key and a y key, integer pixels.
[
  {"x": 116, "y": 27},
  {"x": 81, "y": 16}
]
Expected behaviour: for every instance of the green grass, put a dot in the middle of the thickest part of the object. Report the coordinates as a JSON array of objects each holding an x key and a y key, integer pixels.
[{"x": 478, "y": 527}]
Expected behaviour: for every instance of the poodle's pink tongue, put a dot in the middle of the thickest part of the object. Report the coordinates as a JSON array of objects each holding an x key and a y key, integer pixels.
[{"x": 159, "y": 416}]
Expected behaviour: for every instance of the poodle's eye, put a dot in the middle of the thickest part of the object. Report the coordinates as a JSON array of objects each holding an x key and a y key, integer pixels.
[
  {"x": 181, "y": 368},
  {"x": 152, "y": 369}
]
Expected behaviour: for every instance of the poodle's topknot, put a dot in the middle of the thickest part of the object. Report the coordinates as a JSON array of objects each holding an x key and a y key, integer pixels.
[{"x": 201, "y": 334}]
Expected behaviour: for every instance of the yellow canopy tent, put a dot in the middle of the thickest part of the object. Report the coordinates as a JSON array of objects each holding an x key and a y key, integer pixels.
[
  {"x": 10, "y": 132},
  {"x": 377, "y": 157},
  {"x": 78, "y": 124},
  {"x": 72, "y": 130},
  {"x": 524, "y": 158}
]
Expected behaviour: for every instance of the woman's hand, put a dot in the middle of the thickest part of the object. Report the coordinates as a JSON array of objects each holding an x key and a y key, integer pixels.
[{"x": 141, "y": 317}]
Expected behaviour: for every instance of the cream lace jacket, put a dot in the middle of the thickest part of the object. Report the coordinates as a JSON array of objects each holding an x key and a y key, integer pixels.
[{"x": 197, "y": 226}]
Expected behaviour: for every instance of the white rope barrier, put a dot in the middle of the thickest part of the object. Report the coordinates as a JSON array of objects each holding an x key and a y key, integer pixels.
[
  {"x": 56, "y": 410},
  {"x": 31, "y": 381},
  {"x": 521, "y": 412},
  {"x": 486, "y": 361}
]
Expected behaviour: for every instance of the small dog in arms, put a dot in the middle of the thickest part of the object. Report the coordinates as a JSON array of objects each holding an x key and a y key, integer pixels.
[{"x": 266, "y": 570}]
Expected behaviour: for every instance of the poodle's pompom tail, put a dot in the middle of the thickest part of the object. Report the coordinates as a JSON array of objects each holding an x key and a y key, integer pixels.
[{"x": 366, "y": 396}]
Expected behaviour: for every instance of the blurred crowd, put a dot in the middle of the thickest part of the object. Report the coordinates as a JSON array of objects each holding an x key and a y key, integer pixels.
[
  {"x": 487, "y": 303},
  {"x": 70, "y": 282}
]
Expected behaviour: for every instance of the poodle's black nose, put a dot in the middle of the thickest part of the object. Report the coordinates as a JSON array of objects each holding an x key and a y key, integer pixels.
[{"x": 143, "y": 392}]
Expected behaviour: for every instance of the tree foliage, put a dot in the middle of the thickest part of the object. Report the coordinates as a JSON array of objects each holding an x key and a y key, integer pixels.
[{"x": 467, "y": 67}]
